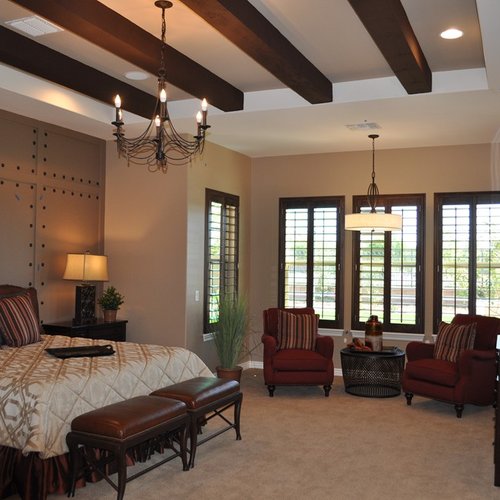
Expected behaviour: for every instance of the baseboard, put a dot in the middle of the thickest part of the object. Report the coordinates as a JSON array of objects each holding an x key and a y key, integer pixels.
[
  {"x": 252, "y": 364},
  {"x": 260, "y": 366}
]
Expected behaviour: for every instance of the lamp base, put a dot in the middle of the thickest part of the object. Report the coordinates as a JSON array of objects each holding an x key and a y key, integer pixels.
[{"x": 84, "y": 304}]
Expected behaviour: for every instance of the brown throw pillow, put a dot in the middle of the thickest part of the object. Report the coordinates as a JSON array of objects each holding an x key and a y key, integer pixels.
[
  {"x": 297, "y": 331},
  {"x": 453, "y": 339},
  {"x": 18, "y": 321}
]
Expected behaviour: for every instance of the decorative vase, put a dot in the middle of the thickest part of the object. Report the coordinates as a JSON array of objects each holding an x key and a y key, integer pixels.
[
  {"x": 109, "y": 315},
  {"x": 230, "y": 373},
  {"x": 373, "y": 334}
]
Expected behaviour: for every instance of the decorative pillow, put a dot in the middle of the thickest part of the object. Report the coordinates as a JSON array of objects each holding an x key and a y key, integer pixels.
[
  {"x": 297, "y": 331},
  {"x": 453, "y": 339},
  {"x": 18, "y": 321}
]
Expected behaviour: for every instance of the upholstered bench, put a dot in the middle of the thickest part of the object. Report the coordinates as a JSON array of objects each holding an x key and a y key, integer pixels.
[
  {"x": 206, "y": 396},
  {"x": 120, "y": 426}
]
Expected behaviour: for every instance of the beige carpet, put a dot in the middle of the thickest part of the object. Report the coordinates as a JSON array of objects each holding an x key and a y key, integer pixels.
[{"x": 301, "y": 445}]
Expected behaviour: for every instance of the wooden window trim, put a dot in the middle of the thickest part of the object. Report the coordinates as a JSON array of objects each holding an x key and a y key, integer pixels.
[
  {"x": 310, "y": 203},
  {"x": 388, "y": 201},
  {"x": 472, "y": 198},
  {"x": 212, "y": 195}
]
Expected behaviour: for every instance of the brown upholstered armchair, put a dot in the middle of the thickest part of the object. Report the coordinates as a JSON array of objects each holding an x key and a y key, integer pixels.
[
  {"x": 295, "y": 366},
  {"x": 471, "y": 380}
]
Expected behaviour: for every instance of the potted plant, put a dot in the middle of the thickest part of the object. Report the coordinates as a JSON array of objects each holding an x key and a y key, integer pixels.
[
  {"x": 110, "y": 301},
  {"x": 230, "y": 335}
]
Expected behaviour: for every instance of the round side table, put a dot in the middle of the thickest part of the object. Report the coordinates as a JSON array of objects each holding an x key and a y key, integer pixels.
[{"x": 372, "y": 374}]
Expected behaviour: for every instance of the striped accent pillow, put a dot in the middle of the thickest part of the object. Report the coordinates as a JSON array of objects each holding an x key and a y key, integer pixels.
[
  {"x": 453, "y": 339},
  {"x": 18, "y": 321},
  {"x": 297, "y": 331}
]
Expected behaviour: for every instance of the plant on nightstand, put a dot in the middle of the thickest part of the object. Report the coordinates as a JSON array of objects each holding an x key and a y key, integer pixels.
[{"x": 110, "y": 301}]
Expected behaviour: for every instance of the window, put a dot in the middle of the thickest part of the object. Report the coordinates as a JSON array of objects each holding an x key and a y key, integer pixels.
[
  {"x": 388, "y": 267},
  {"x": 310, "y": 254},
  {"x": 467, "y": 271},
  {"x": 221, "y": 252}
]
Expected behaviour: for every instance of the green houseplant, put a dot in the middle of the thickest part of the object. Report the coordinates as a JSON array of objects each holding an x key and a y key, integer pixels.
[
  {"x": 229, "y": 338},
  {"x": 110, "y": 301}
]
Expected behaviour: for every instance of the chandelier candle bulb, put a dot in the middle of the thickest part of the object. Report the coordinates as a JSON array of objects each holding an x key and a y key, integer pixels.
[
  {"x": 118, "y": 104},
  {"x": 204, "y": 109},
  {"x": 198, "y": 121},
  {"x": 158, "y": 126}
]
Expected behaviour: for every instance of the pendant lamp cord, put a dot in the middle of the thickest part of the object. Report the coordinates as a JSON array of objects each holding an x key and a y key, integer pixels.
[{"x": 373, "y": 192}]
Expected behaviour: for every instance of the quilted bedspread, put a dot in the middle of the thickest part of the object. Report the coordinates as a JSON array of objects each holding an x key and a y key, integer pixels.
[{"x": 41, "y": 394}]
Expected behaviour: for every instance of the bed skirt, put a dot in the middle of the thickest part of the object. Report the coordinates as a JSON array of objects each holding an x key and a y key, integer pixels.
[
  {"x": 33, "y": 478},
  {"x": 30, "y": 476}
]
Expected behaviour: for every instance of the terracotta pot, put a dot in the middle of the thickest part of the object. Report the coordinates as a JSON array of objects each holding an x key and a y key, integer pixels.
[
  {"x": 109, "y": 315},
  {"x": 231, "y": 373}
]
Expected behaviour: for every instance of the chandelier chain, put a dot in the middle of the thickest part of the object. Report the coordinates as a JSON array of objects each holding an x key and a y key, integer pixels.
[{"x": 161, "y": 71}]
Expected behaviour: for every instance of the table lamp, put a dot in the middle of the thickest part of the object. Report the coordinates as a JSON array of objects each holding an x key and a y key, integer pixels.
[{"x": 85, "y": 267}]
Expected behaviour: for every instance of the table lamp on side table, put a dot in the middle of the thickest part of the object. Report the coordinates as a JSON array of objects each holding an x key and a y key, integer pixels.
[{"x": 85, "y": 267}]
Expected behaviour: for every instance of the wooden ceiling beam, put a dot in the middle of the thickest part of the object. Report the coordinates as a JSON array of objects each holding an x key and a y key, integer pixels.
[
  {"x": 387, "y": 23},
  {"x": 241, "y": 23},
  {"x": 107, "y": 29},
  {"x": 36, "y": 59}
]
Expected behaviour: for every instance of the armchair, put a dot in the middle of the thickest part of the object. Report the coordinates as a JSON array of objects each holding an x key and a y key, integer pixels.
[
  {"x": 471, "y": 380},
  {"x": 295, "y": 366}
]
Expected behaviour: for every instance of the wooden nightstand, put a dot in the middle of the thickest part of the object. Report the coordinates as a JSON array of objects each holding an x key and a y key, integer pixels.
[{"x": 114, "y": 330}]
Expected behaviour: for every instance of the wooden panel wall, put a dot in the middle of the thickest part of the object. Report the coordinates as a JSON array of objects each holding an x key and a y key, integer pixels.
[{"x": 51, "y": 204}]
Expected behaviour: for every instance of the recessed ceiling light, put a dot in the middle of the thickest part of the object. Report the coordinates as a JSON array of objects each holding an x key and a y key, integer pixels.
[
  {"x": 452, "y": 34},
  {"x": 136, "y": 75},
  {"x": 34, "y": 26}
]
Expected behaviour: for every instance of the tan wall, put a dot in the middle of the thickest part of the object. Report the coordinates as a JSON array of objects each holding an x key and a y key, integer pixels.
[
  {"x": 154, "y": 230},
  {"x": 422, "y": 170},
  {"x": 51, "y": 204},
  {"x": 145, "y": 240},
  {"x": 229, "y": 172}
]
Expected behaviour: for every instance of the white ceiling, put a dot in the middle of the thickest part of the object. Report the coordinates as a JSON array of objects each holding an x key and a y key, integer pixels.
[{"x": 463, "y": 108}]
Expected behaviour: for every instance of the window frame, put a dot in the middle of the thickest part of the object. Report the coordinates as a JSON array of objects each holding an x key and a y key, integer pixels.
[
  {"x": 473, "y": 198},
  {"x": 225, "y": 199},
  {"x": 310, "y": 203},
  {"x": 387, "y": 202}
]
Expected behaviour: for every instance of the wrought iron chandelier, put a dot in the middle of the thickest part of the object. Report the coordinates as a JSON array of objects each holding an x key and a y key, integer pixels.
[
  {"x": 160, "y": 144},
  {"x": 373, "y": 221}
]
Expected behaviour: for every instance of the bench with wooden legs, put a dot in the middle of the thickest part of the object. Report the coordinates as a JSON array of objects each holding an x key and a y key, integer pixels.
[
  {"x": 121, "y": 426},
  {"x": 206, "y": 398}
]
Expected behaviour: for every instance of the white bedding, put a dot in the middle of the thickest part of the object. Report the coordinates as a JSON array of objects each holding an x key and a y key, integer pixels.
[{"x": 40, "y": 394}]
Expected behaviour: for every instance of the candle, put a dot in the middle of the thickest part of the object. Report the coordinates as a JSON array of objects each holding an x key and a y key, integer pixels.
[
  {"x": 118, "y": 103},
  {"x": 204, "y": 109}
]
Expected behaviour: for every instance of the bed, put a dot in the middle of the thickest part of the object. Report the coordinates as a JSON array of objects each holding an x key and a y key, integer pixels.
[{"x": 40, "y": 395}]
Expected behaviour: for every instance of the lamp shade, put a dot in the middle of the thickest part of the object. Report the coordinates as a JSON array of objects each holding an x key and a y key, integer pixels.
[
  {"x": 86, "y": 267},
  {"x": 373, "y": 222}
]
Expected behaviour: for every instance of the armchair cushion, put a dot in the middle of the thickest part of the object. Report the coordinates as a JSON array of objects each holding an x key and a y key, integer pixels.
[
  {"x": 453, "y": 339},
  {"x": 18, "y": 320},
  {"x": 297, "y": 331},
  {"x": 300, "y": 360},
  {"x": 435, "y": 371}
]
